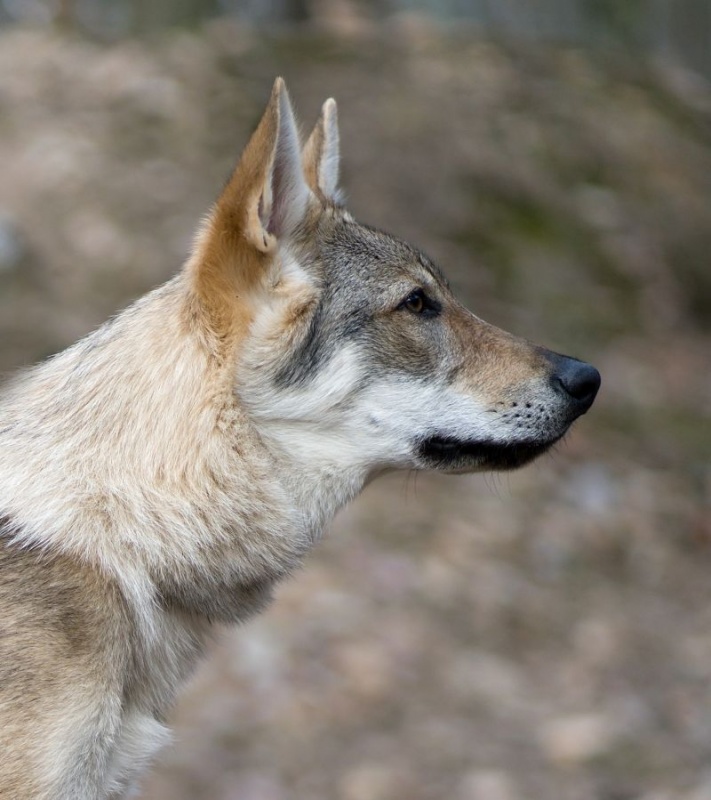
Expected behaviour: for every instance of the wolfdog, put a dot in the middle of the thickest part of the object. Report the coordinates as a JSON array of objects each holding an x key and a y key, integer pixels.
[{"x": 163, "y": 473}]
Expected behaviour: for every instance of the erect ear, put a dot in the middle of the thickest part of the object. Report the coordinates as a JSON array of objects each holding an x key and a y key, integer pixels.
[
  {"x": 321, "y": 154},
  {"x": 267, "y": 196},
  {"x": 264, "y": 201}
]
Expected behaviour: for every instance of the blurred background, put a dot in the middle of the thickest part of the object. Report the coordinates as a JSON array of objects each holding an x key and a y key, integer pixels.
[{"x": 544, "y": 635}]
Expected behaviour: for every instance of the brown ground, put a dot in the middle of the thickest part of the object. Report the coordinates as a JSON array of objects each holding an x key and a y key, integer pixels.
[{"x": 539, "y": 636}]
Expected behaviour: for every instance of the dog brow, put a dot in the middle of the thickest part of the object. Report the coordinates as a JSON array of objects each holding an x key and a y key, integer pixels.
[{"x": 432, "y": 269}]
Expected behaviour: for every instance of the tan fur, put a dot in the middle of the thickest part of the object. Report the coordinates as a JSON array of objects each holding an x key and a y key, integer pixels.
[
  {"x": 76, "y": 653},
  {"x": 496, "y": 362},
  {"x": 164, "y": 473},
  {"x": 232, "y": 249}
]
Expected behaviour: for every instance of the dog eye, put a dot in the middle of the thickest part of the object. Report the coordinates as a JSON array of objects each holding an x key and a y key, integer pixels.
[{"x": 418, "y": 302}]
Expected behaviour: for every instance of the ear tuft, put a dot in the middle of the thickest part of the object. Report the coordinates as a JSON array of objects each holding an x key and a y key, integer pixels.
[{"x": 322, "y": 154}]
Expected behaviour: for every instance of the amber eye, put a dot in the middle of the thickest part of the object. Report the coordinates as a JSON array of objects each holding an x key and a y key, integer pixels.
[
  {"x": 419, "y": 303},
  {"x": 415, "y": 302}
]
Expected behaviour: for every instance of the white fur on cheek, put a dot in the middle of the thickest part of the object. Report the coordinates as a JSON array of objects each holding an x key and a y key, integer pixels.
[
  {"x": 317, "y": 401},
  {"x": 399, "y": 413}
]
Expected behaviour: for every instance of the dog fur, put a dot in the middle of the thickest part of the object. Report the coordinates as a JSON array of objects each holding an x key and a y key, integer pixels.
[{"x": 164, "y": 472}]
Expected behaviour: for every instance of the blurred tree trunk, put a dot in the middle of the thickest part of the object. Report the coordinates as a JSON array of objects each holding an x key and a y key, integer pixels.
[
  {"x": 64, "y": 13},
  {"x": 297, "y": 10},
  {"x": 690, "y": 33},
  {"x": 156, "y": 14},
  {"x": 620, "y": 20}
]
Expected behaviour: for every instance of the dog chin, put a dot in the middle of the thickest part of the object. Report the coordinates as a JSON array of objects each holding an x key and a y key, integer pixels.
[{"x": 456, "y": 455}]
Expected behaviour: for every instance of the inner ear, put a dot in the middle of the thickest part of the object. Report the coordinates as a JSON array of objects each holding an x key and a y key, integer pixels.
[
  {"x": 322, "y": 154},
  {"x": 285, "y": 196}
]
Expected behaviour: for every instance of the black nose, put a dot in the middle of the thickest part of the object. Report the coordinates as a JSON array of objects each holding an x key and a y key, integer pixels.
[{"x": 578, "y": 380}]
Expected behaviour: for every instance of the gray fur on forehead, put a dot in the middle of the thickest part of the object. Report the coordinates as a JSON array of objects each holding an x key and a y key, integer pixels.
[{"x": 351, "y": 250}]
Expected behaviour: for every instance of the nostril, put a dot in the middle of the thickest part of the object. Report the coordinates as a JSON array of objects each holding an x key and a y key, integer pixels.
[
  {"x": 579, "y": 380},
  {"x": 575, "y": 380}
]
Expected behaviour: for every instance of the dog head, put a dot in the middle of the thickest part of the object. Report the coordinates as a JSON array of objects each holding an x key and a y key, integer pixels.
[{"x": 346, "y": 345}]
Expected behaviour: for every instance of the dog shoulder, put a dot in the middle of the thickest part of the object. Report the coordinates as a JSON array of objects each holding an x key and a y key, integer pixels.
[{"x": 64, "y": 659}]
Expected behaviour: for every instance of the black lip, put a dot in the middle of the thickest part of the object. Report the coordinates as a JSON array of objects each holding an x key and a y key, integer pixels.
[{"x": 448, "y": 452}]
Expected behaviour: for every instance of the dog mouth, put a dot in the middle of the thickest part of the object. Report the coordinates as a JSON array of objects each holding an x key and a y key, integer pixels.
[{"x": 446, "y": 452}]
